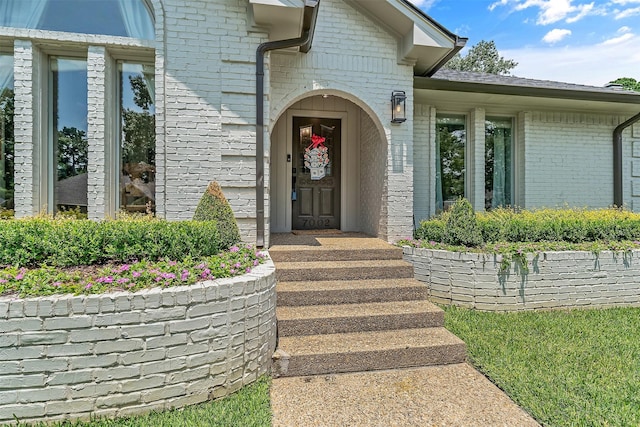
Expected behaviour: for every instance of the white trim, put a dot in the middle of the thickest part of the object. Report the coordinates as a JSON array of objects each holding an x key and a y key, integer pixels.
[{"x": 344, "y": 118}]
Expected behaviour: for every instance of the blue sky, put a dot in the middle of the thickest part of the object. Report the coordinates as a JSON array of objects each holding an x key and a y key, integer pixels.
[{"x": 586, "y": 42}]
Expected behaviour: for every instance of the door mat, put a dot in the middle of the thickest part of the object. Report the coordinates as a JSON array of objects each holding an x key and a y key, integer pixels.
[{"x": 316, "y": 232}]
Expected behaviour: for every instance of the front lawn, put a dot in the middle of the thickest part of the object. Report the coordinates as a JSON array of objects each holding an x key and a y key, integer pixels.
[
  {"x": 566, "y": 368},
  {"x": 248, "y": 407}
]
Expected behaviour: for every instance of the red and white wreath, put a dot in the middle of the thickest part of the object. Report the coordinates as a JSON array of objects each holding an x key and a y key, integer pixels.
[{"x": 316, "y": 157}]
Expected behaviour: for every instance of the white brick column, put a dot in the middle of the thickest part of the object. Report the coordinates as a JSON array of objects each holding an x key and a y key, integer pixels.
[
  {"x": 400, "y": 177},
  {"x": 101, "y": 122},
  {"x": 523, "y": 130},
  {"x": 30, "y": 159},
  {"x": 475, "y": 159}
]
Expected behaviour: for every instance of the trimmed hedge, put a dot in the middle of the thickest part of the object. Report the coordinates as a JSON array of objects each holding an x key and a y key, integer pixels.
[
  {"x": 68, "y": 242},
  {"x": 557, "y": 225}
]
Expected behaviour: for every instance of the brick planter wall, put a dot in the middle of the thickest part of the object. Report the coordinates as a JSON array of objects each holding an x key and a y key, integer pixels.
[
  {"x": 126, "y": 353},
  {"x": 553, "y": 280}
]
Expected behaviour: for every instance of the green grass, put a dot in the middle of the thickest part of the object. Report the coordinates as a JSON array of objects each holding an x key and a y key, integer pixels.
[
  {"x": 566, "y": 368},
  {"x": 248, "y": 407}
]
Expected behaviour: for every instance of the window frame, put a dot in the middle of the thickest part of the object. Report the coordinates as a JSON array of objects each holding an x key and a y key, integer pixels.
[
  {"x": 466, "y": 182},
  {"x": 512, "y": 157}
]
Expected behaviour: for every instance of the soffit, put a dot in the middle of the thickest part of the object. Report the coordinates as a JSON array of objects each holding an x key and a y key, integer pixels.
[
  {"x": 282, "y": 18},
  {"x": 505, "y": 103}
]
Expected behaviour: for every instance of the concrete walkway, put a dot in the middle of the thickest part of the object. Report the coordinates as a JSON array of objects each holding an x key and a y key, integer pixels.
[
  {"x": 328, "y": 309},
  {"x": 450, "y": 395}
]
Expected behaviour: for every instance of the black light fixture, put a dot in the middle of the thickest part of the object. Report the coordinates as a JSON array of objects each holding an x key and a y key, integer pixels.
[{"x": 398, "y": 110}]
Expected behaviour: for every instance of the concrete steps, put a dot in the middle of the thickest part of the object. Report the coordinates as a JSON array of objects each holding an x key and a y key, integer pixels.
[
  {"x": 342, "y": 318},
  {"x": 349, "y": 292},
  {"x": 350, "y": 304},
  {"x": 343, "y": 270},
  {"x": 356, "y": 352}
]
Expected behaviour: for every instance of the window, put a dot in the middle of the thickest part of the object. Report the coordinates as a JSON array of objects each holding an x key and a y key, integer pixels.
[
  {"x": 68, "y": 133},
  {"x": 127, "y": 18},
  {"x": 451, "y": 140},
  {"x": 498, "y": 175},
  {"x": 137, "y": 138},
  {"x": 6, "y": 131}
]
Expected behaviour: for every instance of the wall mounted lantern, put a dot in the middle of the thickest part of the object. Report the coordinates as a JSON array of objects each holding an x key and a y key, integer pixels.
[{"x": 398, "y": 110}]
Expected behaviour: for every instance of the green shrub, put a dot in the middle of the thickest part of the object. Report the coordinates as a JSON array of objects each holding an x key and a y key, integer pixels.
[
  {"x": 213, "y": 206},
  {"x": 67, "y": 242},
  {"x": 544, "y": 225},
  {"x": 462, "y": 227}
]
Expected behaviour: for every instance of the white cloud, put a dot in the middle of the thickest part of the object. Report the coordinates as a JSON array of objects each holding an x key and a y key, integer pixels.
[
  {"x": 556, "y": 35},
  {"x": 594, "y": 65},
  {"x": 617, "y": 40},
  {"x": 423, "y": 4},
  {"x": 625, "y": 2},
  {"x": 632, "y": 11},
  {"x": 551, "y": 11},
  {"x": 623, "y": 30}
]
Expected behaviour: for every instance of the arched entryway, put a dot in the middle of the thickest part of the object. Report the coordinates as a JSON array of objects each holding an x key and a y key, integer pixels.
[{"x": 347, "y": 190}]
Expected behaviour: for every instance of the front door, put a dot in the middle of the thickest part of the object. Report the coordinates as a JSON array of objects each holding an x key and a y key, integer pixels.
[{"x": 316, "y": 174}]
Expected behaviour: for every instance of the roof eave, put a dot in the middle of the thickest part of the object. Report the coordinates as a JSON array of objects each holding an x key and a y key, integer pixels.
[{"x": 538, "y": 92}]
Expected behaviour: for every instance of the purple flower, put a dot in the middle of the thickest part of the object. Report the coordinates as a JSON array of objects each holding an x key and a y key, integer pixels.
[
  {"x": 89, "y": 286},
  {"x": 3, "y": 281},
  {"x": 184, "y": 275},
  {"x": 201, "y": 266},
  {"x": 206, "y": 273},
  {"x": 237, "y": 265},
  {"x": 136, "y": 274},
  {"x": 123, "y": 280},
  {"x": 105, "y": 279},
  {"x": 234, "y": 249},
  {"x": 168, "y": 276},
  {"x": 122, "y": 268},
  {"x": 20, "y": 275},
  {"x": 56, "y": 284},
  {"x": 223, "y": 265},
  {"x": 172, "y": 263},
  {"x": 232, "y": 271},
  {"x": 248, "y": 269},
  {"x": 255, "y": 262}
]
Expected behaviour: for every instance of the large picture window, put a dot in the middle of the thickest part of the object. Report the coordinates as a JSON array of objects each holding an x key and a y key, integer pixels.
[
  {"x": 69, "y": 146},
  {"x": 498, "y": 172},
  {"x": 127, "y": 18},
  {"x": 6, "y": 131},
  {"x": 138, "y": 138},
  {"x": 451, "y": 141}
]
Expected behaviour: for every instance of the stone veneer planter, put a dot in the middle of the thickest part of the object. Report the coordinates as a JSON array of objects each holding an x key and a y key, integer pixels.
[
  {"x": 553, "y": 280},
  {"x": 124, "y": 353}
]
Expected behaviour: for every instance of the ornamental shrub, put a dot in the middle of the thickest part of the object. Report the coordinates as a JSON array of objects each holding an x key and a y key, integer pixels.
[
  {"x": 462, "y": 227},
  {"x": 214, "y": 206},
  {"x": 39, "y": 241},
  {"x": 544, "y": 225}
]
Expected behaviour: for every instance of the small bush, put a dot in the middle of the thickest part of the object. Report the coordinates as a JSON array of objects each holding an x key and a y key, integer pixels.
[
  {"x": 67, "y": 242},
  {"x": 462, "y": 227},
  {"x": 545, "y": 225},
  {"x": 213, "y": 206}
]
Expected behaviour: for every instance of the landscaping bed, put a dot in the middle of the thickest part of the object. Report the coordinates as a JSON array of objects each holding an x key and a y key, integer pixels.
[
  {"x": 507, "y": 260},
  {"x": 121, "y": 317}
]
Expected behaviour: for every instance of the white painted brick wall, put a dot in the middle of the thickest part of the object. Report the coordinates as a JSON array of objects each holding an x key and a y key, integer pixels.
[
  {"x": 555, "y": 279},
  {"x": 128, "y": 353},
  {"x": 25, "y": 82},
  {"x": 422, "y": 181},
  {"x": 569, "y": 160}
]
